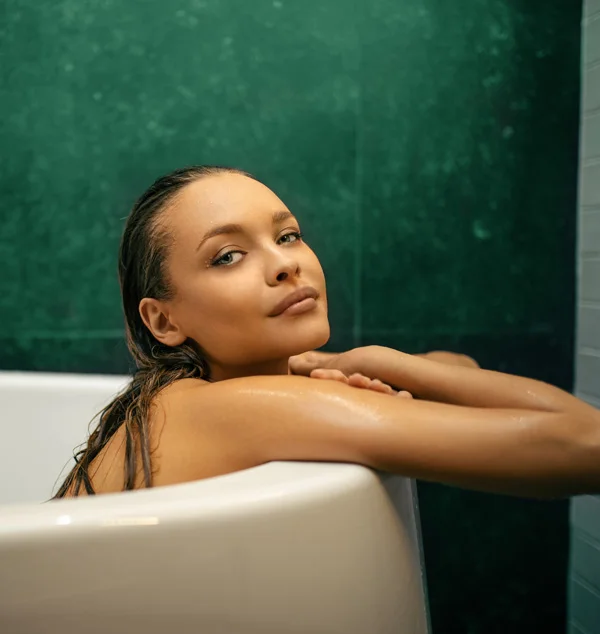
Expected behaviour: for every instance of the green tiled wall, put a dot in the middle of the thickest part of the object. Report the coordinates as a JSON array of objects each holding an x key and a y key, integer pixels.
[{"x": 429, "y": 147}]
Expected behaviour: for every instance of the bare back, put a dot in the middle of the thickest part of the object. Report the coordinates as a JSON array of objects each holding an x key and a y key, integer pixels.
[{"x": 170, "y": 448}]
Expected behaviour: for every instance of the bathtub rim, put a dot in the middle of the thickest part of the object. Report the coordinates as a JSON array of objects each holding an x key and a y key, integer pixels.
[{"x": 250, "y": 491}]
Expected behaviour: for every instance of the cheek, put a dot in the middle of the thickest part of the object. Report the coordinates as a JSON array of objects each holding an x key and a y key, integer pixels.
[
  {"x": 227, "y": 320},
  {"x": 217, "y": 308},
  {"x": 315, "y": 272}
]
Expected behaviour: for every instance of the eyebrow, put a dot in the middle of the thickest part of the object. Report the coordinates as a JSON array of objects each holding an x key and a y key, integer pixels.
[{"x": 278, "y": 216}]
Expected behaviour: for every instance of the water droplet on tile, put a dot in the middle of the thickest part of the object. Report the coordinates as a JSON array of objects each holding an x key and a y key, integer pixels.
[{"x": 480, "y": 232}]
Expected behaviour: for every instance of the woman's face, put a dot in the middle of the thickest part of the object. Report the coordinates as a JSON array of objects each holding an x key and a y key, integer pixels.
[{"x": 227, "y": 285}]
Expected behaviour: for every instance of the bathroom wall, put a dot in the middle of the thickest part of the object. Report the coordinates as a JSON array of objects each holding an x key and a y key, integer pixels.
[
  {"x": 429, "y": 149},
  {"x": 584, "y": 574}
]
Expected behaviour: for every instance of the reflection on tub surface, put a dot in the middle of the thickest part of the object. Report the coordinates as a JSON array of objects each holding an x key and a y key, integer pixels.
[{"x": 285, "y": 547}]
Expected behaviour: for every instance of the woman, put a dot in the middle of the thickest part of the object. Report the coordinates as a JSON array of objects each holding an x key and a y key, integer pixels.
[{"x": 222, "y": 299}]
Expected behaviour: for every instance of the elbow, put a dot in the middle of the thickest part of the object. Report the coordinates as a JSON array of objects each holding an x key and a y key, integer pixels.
[
  {"x": 452, "y": 358},
  {"x": 580, "y": 439},
  {"x": 470, "y": 362},
  {"x": 561, "y": 458}
]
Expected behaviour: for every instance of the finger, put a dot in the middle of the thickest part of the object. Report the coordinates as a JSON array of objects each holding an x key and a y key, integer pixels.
[
  {"x": 301, "y": 365},
  {"x": 404, "y": 394},
  {"x": 304, "y": 363},
  {"x": 378, "y": 386},
  {"x": 314, "y": 356},
  {"x": 307, "y": 361},
  {"x": 358, "y": 380},
  {"x": 331, "y": 375}
]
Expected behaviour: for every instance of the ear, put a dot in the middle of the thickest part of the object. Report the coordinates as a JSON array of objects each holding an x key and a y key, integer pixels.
[{"x": 155, "y": 315}]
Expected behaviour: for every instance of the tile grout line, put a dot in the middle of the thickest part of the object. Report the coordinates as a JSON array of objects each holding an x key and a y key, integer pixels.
[
  {"x": 591, "y": 65},
  {"x": 580, "y": 629},
  {"x": 584, "y": 583},
  {"x": 588, "y": 351},
  {"x": 73, "y": 335},
  {"x": 590, "y": 17},
  {"x": 590, "y": 112},
  {"x": 587, "y": 538},
  {"x": 588, "y": 398}
]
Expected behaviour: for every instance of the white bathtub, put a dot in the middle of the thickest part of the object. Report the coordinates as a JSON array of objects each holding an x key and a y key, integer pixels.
[{"x": 287, "y": 547}]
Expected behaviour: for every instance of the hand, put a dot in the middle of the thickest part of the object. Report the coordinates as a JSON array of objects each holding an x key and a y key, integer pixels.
[
  {"x": 339, "y": 367},
  {"x": 305, "y": 363},
  {"x": 350, "y": 362},
  {"x": 346, "y": 362},
  {"x": 358, "y": 380}
]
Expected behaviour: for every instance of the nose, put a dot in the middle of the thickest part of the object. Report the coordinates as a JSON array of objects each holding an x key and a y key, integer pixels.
[{"x": 284, "y": 266}]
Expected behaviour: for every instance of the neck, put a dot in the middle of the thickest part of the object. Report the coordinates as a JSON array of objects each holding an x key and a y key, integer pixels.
[{"x": 221, "y": 373}]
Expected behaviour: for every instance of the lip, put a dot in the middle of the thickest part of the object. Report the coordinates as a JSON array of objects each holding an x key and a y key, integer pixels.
[{"x": 293, "y": 298}]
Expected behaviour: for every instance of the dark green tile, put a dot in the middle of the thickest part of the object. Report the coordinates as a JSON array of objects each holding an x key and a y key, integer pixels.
[
  {"x": 495, "y": 563},
  {"x": 12, "y": 280},
  {"x": 542, "y": 356},
  {"x": 88, "y": 355},
  {"x": 102, "y": 98},
  {"x": 470, "y": 128},
  {"x": 449, "y": 130}
]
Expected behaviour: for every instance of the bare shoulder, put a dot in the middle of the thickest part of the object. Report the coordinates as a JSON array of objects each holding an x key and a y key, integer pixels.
[
  {"x": 186, "y": 443},
  {"x": 253, "y": 420},
  {"x": 199, "y": 430},
  {"x": 166, "y": 438},
  {"x": 217, "y": 428}
]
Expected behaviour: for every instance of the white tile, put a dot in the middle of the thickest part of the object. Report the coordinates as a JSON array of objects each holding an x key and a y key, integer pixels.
[
  {"x": 590, "y": 7},
  {"x": 585, "y": 514},
  {"x": 590, "y": 400},
  {"x": 585, "y": 607},
  {"x": 589, "y": 283},
  {"x": 591, "y": 89},
  {"x": 587, "y": 375},
  {"x": 588, "y": 327},
  {"x": 590, "y": 137},
  {"x": 589, "y": 235},
  {"x": 573, "y": 629},
  {"x": 591, "y": 40},
  {"x": 585, "y": 558},
  {"x": 589, "y": 193}
]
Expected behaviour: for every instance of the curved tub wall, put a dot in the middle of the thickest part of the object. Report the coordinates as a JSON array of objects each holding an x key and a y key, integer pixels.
[
  {"x": 44, "y": 416},
  {"x": 287, "y": 547}
]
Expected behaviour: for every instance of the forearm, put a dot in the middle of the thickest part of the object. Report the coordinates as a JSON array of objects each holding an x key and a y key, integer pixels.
[
  {"x": 522, "y": 452},
  {"x": 459, "y": 385},
  {"x": 515, "y": 452},
  {"x": 449, "y": 358}
]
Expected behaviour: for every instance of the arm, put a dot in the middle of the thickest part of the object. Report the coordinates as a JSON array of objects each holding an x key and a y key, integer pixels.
[
  {"x": 449, "y": 358},
  {"x": 457, "y": 385},
  {"x": 307, "y": 361},
  {"x": 528, "y": 452}
]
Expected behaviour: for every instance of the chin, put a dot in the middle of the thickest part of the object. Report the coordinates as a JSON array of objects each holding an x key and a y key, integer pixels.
[{"x": 312, "y": 338}]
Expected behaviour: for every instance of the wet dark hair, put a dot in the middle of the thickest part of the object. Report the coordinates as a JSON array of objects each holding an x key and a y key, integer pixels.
[{"x": 142, "y": 273}]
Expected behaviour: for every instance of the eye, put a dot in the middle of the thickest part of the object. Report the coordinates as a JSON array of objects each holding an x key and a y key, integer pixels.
[
  {"x": 297, "y": 234},
  {"x": 224, "y": 261}
]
